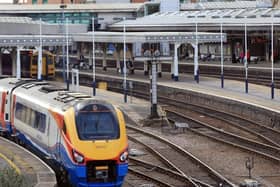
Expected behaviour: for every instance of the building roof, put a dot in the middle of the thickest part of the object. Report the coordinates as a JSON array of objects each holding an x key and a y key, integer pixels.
[
  {"x": 51, "y": 8},
  {"x": 186, "y": 19},
  {"x": 27, "y": 26},
  {"x": 226, "y": 5},
  {"x": 26, "y": 20}
]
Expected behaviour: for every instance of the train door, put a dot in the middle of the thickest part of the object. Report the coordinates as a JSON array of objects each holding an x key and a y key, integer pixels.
[
  {"x": 53, "y": 138},
  {"x": 34, "y": 65},
  {"x": 7, "y": 64},
  {"x": 51, "y": 66},
  {"x": 41, "y": 126},
  {"x": 25, "y": 63},
  {"x": 2, "y": 109},
  {"x": 7, "y": 113},
  {"x": 45, "y": 66}
]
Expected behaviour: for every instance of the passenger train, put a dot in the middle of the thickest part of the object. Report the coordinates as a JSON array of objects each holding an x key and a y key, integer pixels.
[
  {"x": 29, "y": 63},
  {"x": 83, "y": 137}
]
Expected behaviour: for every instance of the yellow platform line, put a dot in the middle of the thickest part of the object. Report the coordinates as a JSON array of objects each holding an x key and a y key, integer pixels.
[{"x": 11, "y": 163}]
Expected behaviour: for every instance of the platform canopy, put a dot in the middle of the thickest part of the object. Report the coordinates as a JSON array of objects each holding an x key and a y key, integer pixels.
[
  {"x": 233, "y": 19},
  {"x": 33, "y": 40},
  {"x": 150, "y": 37}
]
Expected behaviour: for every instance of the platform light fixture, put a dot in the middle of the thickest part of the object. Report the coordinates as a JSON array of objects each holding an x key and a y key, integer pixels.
[
  {"x": 272, "y": 58},
  {"x": 93, "y": 56},
  {"x": 124, "y": 56},
  {"x": 222, "y": 56},
  {"x": 63, "y": 6},
  {"x": 245, "y": 59}
]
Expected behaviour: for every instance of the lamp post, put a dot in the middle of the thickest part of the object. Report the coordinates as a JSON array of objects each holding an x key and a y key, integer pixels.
[
  {"x": 196, "y": 68},
  {"x": 67, "y": 54},
  {"x": 63, "y": 6},
  {"x": 222, "y": 58},
  {"x": 246, "y": 60},
  {"x": 272, "y": 60},
  {"x": 93, "y": 60},
  {"x": 93, "y": 56},
  {"x": 39, "y": 71},
  {"x": 124, "y": 63},
  {"x": 124, "y": 56}
]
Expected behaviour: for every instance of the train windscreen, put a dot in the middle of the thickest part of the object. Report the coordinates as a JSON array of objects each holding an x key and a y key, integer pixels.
[{"x": 97, "y": 122}]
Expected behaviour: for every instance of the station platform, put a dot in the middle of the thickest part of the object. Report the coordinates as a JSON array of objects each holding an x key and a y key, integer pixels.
[
  {"x": 257, "y": 95},
  {"x": 34, "y": 171}
]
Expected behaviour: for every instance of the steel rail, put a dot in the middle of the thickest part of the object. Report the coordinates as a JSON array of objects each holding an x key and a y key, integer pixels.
[
  {"x": 262, "y": 149},
  {"x": 214, "y": 174}
]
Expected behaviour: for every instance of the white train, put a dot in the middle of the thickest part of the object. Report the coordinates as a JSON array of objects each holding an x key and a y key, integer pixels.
[{"x": 84, "y": 138}]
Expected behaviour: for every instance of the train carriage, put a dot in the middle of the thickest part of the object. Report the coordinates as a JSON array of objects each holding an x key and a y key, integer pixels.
[{"x": 84, "y": 137}]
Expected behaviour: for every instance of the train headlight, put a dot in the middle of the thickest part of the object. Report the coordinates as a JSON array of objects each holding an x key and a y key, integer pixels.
[
  {"x": 124, "y": 156},
  {"x": 79, "y": 158}
]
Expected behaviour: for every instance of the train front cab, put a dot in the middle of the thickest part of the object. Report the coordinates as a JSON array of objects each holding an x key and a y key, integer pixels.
[
  {"x": 48, "y": 65},
  {"x": 97, "y": 143}
]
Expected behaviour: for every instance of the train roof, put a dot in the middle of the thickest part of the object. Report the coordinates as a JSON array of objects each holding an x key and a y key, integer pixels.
[
  {"x": 7, "y": 84},
  {"x": 46, "y": 94}
]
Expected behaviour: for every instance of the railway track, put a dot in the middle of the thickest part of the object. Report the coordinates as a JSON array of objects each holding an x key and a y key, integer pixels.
[
  {"x": 166, "y": 176},
  {"x": 163, "y": 164},
  {"x": 136, "y": 179},
  {"x": 229, "y": 138},
  {"x": 192, "y": 167},
  {"x": 265, "y": 134}
]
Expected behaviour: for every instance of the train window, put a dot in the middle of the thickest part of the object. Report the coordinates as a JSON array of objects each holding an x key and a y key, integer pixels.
[
  {"x": 34, "y": 60},
  {"x": 49, "y": 60},
  {"x": 28, "y": 116},
  {"x": 97, "y": 125},
  {"x": 18, "y": 113},
  {"x": 40, "y": 123},
  {"x": 31, "y": 117}
]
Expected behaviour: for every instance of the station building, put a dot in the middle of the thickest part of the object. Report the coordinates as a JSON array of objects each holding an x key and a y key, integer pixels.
[{"x": 231, "y": 17}]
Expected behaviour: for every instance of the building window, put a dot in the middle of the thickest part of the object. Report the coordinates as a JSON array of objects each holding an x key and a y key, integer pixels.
[
  {"x": 34, "y": 1},
  {"x": 45, "y": 1}
]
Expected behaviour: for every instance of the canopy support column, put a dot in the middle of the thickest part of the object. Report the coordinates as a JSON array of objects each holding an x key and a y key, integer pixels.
[{"x": 175, "y": 64}]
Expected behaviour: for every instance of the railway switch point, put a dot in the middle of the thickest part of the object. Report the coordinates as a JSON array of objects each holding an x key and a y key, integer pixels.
[
  {"x": 136, "y": 152},
  {"x": 250, "y": 183},
  {"x": 181, "y": 127}
]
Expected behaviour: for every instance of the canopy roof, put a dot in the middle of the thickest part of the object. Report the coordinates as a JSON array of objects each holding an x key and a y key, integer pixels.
[{"x": 180, "y": 20}]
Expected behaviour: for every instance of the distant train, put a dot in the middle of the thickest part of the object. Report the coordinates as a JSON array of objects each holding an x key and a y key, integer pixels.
[
  {"x": 29, "y": 63},
  {"x": 83, "y": 137}
]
